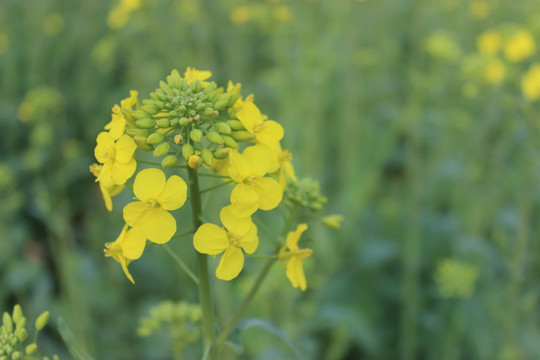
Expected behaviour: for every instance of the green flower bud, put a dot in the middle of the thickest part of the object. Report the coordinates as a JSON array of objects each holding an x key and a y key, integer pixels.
[
  {"x": 162, "y": 96},
  {"x": 174, "y": 78},
  {"x": 141, "y": 143},
  {"x": 22, "y": 334},
  {"x": 173, "y": 113},
  {"x": 233, "y": 100},
  {"x": 159, "y": 104},
  {"x": 333, "y": 221},
  {"x": 31, "y": 349},
  {"x": 139, "y": 114},
  {"x": 187, "y": 151},
  {"x": 192, "y": 112},
  {"x": 155, "y": 138},
  {"x": 220, "y": 105},
  {"x": 8, "y": 323},
  {"x": 173, "y": 121},
  {"x": 169, "y": 106},
  {"x": 161, "y": 149},
  {"x": 184, "y": 121},
  {"x": 21, "y": 323},
  {"x": 195, "y": 135},
  {"x": 164, "y": 87},
  {"x": 223, "y": 97},
  {"x": 214, "y": 138},
  {"x": 200, "y": 107},
  {"x": 42, "y": 320},
  {"x": 210, "y": 87},
  {"x": 16, "y": 355},
  {"x": 183, "y": 85},
  {"x": 212, "y": 95},
  {"x": 223, "y": 128},
  {"x": 163, "y": 123},
  {"x": 169, "y": 161},
  {"x": 195, "y": 161},
  {"x": 210, "y": 113},
  {"x": 178, "y": 139},
  {"x": 236, "y": 125},
  {"x": 221, "y": 153},
  {"x": 17, "y": 313},
  {"x": 242, "y": 136},
  {"x": 137, "y": 132},
  {"x": 154, "y": 96},
  {"x": 145, "y": 123},
  {"x": 207, "y": 157},
  {"x": 150, "y": 109},
  {"x": 229, "y": 142},
  {"x": 195, "y": 86},
  {"x": 315, "y": 206},
  {"x": 147, "y": 102}
]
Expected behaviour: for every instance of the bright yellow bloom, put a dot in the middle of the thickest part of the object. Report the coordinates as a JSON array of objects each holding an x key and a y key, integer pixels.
[
  {"x": 239, "y": 104},
  {"x": 127, "y": 247},
  {"x": 530, "y": 84},
  {"x": 281, "y": 160},
  {"x": 116, "y": 157},
  {"x": 107, "y": 186},
  {"x": 495, "y": 71},
  {"x": 489, "y": 43},
  {"x": 253, "y": 191},
  {"x": 520, "y": 46},
  {"x": 295, "y": 255},
  {"x": 117, "y": 125},
  {"x": 193, "y": 74},
  {"x": 239, "y": 233},
  {"x": 267, "y": 132},
  {"x": 156, "y": 196}
]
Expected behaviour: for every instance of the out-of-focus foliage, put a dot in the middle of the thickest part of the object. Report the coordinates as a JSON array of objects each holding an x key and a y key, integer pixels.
[{"x": 420, "y": 117}]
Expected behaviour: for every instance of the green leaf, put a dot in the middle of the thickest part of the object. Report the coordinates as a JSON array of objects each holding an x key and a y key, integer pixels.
[{"x": 72, "y": 345}]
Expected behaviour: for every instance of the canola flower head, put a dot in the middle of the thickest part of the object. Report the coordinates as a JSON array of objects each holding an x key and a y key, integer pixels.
[
  {"x": 530, "y": 83},
  {"x": 240, "y": 15},
  {"x": 304, "y": 193},
  {"x": 293, "y": 256},
  {"x": 107, "y": 186},
  {"x": 127, "y": 247},
  {"x": 156, "y": 197},
  {"x": 479, "y": 9},
  {"x": 191, "y": 75},
  {"x": 455, "y": 279},
  {"x": 519, "y": 46},
  {"x": 117, "y": 125},
  {"x": 489, "y": 43},
  {"x": 266, "y": 132},
  {"x": 240, "y": 233},
  {"x": 116, "y": 157}
]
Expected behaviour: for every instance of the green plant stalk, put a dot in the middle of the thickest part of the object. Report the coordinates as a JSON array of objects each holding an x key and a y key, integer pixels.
[
  {"x": 236, "y": 316},
  {"x": 182, "y": 264},
  {"x": 205, "y": 295}
]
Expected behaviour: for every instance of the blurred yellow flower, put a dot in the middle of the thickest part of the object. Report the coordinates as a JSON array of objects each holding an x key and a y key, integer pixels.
[
  {"x": 295, "y": 255},
  {"x": 127, "y": 247},
  {"x": 156, "y": 196},
  {"x": 282, "y": 13},
  {"x": 489, "y": 43},
  {"x": 495, "y": 71},
  {"x": 239, "y": 233},
  {"x": 455, "y": 279},
  {"x": 240, "y": 15},
  {"x": 442, "y": 45},
  {"x": 53, "y": 24},
  {"x": 267, "y": 132},
  {"x": 530, "y": 83},
  {"x": 333, "y": 221},
  {"x": 118, "y": 18},
  {"x": 117, "y": 125},
  {"x": 130, "y": 5},
  {"x": 107, "y": 186},
  {"x": 4, "y": 42},
  {"x": 116, "y": 157},
  {"x": 193, "y": 74},
  {"x": 519, "y": 46},
  {"x": 479, "y": 9}
]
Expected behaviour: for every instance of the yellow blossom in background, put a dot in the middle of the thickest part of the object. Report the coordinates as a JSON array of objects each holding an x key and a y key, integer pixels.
[
  {"x": 267, "y": 132},
  {"x": 107, "y": 186},
  {"x": 519, "y": 46},
  {"x": 116, "y": 157},
  {"x": 333, "y": 221},
  {"x": 530, "y": 83},
  {"x": 442, "y": 45},
  {"x": 282, "y": 13},
  {"x": 495, "y": 71},
  {"x": 193, "y": 74},
  {"x": 489, "y": 43},
  {"x": 291, "y": 252},
  {"x": 118, "y": 18},
  {"x": 239, "y": 234},
  {"x": 240, "y": 15},
  {"x": 253, "y": 191},
  {"x": 130, "y": 5},
  {"x": 127, "y": 247},
  {"x": 53, "y": 24},
  {"x": 455, "y": 279},
  {"x": 4, "y": 42},
  {"x": 156, "y": 196},
  {"x": 479, "y": 9},
  {"x": 117, "y": 125}
]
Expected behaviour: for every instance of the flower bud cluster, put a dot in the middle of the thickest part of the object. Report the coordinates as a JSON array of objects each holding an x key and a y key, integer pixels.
[{"x": 305, "y": 193}]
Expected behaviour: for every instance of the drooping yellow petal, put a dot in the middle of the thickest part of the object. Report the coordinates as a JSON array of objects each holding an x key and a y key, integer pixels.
[
  {"x": 133, "y": 244},
  {"x": 269, "y": 193},
  {"x": 210, "y": 239},
  {"x": 124, "y": 264},
  {"x": 125, "y": 147},
  {"x": 149, "y": 184},
  {"x": 294, "y": 236},
  {"x": 239, "y": 168},
  {"x": 244, "y": 200},
  {"x": 295, "y": 273},
  {"x": 121, "y": 172},
  {"x": 158, "y": 225},
  {"x": 105, "y": 148},
  {"x": 250, "y": 241},
  {"x": 106, "y": 196},
  {"x": 133, "y": 213},
  {"x": 249, "y": 116},
  {"x": 231, "y": 264},
  {"x": 174, "y": 194},
  {"x": 258, "y": 159},
  {"x": 238, "y": 225}
]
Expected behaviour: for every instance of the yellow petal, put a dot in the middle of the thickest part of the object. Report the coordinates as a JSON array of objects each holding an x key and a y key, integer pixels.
[
  {"x": 210, "y": 239},
  {"x": 271, "y": 134},
  {"x": 106, "y": 196},
  {"x": 269, "y": 193},
  {"x": 249, "y": 115},
  {"x": 244, "y": 200},
  {"x": 258, "y": 159},
  {"x": 125, "y": 148},
  {"x": 149, "y": 184},
  {"x": 105, "y": 147},
  {"x": 133, "y": 244},
  {"x": 238, "y": 225},
  {"x": 117, "y": 126},
  {"x": 294, "y": 236},
  {"x": 295, "y": 273},
  {"x": 121, "y": 172},
  {"x": 133, "y": 213},
  {"x": 231, "y": 264},
  {"x": 239, "y": 168},
  {"x": 124, "y": 264},
  {"x": 174, "y": 194},
  {"x": 250, "y": 241},
  {"x": 158, "y": 225}
]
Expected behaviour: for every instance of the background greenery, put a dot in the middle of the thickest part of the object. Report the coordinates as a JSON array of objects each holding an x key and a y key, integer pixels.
[{"x": 433, "y": 164}]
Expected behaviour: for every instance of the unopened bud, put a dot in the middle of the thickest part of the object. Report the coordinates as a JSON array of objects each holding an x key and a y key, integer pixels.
[
  {"x": 229, "y": 142},
  {"x": 187, "y": 151},
  {"x": 155, "y": 138},
  {"x": 17, "y": 355},
  {"x": 221, "y": 153},
  {"x": 242, "y": 136},
  {"x": 137, "y": 132},
  {"x": 194, "y": 162},
  {"x": 207, "y": 157},
  {"x": 210, "y": 113},
  {"x": 161, "y": 149},
  {"x": 200, "y": 107},
  {"x": 195, "y": 86},
  {"x": 184, "y": 121},
  {"x": 145, "y": 123},
  {"x": 236, "y": 125},
  {"x": 223, "y": 128},
  {"x": 195, "y": 135},
  {"x": 141, "y": 143},
  {"x": 31, "y": 349},
  {"x": 17, "y": 313},
  {"x": 333, "y": 221},
  {"x": 214, "y": 138},
  {"x": 169, "y": 161},
  {"x": 173, "y": 121},
  {"x": 150, "y": 109},
  {"x": 221, "y": 105},
  {"x": 196, "y": 117},
  {"x": 21, "y": 323},
  {"x": 139, "y": 114},
  {"x": 22, "y": 334},
  {"x": 42, "y": 320},
  {"x": 163, "y": 123},
  {"x": 178, "y": 139},
  {"x": 8, "y": 323}
]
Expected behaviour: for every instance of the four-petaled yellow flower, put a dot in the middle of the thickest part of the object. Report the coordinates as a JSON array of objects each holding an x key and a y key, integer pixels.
[
  {"x": 116, "y": 157},
  {"x": 520, "y": 46},
  {"x": 253, "y": 191},
  {"x": 291, "y": 252},
  {"x": 239, "y": 233},
  {"x": 127, "y": 247},
  {"x": 156, "y": 196},
  {"x": 117, "y": 125},
  {"x": 267, "y": 132},
  {"x": 107, "y": 186},
  {"x": 193, "y": 74}
]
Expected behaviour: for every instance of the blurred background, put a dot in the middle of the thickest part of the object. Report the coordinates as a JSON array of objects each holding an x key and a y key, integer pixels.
[{"x": 418, "y": 117}]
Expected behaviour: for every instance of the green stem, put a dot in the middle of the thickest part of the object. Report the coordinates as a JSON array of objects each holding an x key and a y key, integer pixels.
[
  {"x": 182, "y": 234},
  {"x": 215, "y": 186},
  {"x": 236, "y": 316},
  {"x": 182, "y": 264},
  {"x": 262, "y": 256},
  {"x": 215, "y": 175},
  {"x": 148, "y": 162},
  {"x": 204, "y": 278}
]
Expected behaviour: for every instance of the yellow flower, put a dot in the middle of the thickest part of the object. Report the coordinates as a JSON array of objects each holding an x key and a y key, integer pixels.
[
  {"x": 239, "y": 104},
  {"x": 116, "y": 157},
  {"x": 291, "y": 252},
  {"x": 117, "y": 125},
  {"x": 156, "y": 196},
  {"x": 239, "y": 233},
  {"x": 107, "y": 186},
  {"x": 495, "y": 71},
  {"x": 530, "y": 84},
  {"x": 253, "y": 191},
  {"x": 266, "y": 132},
  {"x": 479, "y": 9},
  {"x": 520, "y": 46},
  {"x": 193, "y": 74},
  {"x": 489, "y": 43},
  {"x": 281, "y": 160},
  {"x": 127, "y": 247},
  {"x": 240, "y": 15}
]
